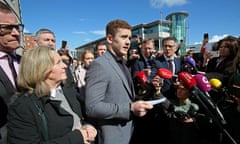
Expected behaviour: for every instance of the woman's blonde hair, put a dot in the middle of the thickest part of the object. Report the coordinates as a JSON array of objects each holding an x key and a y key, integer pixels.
[{"x": 35, "y": 65}]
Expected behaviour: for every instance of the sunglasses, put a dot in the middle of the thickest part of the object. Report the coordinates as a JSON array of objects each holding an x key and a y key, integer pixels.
[{"x": 7, "y": 28}]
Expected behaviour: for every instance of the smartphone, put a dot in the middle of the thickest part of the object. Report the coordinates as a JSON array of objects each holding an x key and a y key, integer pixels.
[
  {"x": 205, "y": 36},
  {"x": 64, "y": 44}
]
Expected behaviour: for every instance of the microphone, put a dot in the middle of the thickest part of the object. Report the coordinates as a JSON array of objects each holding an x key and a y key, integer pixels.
[
  {"x": 202, "y": 83},
  {"x": 191, "y": 83},
  {"x": 143, "y": 89},
  {"x": 217, "y": 85},
  {"x": 205, "y": 87},
  {"x": 142, "y": 77},
  {"x": 188, "y": 80},
  {"x": 164, "y": 73},
  {"x": 190, "y": 61}
]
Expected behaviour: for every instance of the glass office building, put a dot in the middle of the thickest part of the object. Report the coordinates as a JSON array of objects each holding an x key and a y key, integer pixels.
[
  {"x": 174, "y": 25},
  {"x": 178, "y": 28}
]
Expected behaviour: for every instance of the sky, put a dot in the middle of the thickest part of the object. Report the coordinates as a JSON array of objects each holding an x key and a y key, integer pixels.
[{"x": 82, "y": 21}]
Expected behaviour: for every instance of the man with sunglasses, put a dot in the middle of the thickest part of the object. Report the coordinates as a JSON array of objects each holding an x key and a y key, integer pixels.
[{"x": 9, "y": 42}]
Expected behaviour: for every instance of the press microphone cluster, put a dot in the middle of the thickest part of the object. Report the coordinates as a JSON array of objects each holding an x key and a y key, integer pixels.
[
  {"x": 200, "y": 86},
  {"x": 204, "y": 85}
]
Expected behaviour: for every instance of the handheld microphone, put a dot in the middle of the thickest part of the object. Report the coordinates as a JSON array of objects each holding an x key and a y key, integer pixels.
[
  {"x": 164, "y": 73},
  {"x": 217, "y": 85},
  {"x": 142, "y": 77},
  {"x": 188, "y": 80},
  {"x": 202, "y": 83},
  {"x": 190, "y": 61},
  {"x": 204, "y": 86}
]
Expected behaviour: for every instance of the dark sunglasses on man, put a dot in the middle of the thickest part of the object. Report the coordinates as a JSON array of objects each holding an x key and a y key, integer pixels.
[{"x": 7, "y": 28}]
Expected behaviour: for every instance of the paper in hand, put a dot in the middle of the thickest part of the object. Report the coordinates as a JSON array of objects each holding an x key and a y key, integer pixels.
[{"x": 157, "y": 101}]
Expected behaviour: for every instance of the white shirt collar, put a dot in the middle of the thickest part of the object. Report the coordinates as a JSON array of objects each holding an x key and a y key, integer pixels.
[{"x": 53, "y": 92}]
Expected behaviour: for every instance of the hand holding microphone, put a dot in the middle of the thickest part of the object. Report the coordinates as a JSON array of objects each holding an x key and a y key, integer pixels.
[{"x": 142, "y": 77}]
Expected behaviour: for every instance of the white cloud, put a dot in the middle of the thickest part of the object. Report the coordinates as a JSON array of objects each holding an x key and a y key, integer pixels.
[
  {"x": 99, "y": 32},
  {"x": 214, "y": 38},
  {"x": 87, "y": 40},
  {"x": 79, "y": 32},
  {"x": 169, "y": 3}
]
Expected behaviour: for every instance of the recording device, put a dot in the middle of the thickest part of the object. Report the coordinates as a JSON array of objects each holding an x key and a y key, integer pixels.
[
  {"x": 205, "y": 36},
  {"x": 64, "y": 44}
]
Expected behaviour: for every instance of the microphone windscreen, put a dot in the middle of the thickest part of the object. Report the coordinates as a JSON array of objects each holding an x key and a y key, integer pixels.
[
  {"x": 215, "y": 83},
  {"x": 202, "y": 83},
  {"x": 142, "y": 77},
  {"x": 164, "y": 73},
  {"x": 187, "y": 79},
  {"x": 190, "y": 61}
]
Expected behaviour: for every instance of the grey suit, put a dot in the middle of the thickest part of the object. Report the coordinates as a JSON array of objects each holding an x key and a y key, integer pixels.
[{"x": 108, "y": 98}]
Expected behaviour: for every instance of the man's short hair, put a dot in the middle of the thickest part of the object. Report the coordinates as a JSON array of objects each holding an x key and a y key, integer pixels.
[{"x": 41, "y": 31}]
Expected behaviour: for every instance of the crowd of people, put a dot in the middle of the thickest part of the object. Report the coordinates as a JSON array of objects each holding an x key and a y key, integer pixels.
[{"x": 107, "y": 96}]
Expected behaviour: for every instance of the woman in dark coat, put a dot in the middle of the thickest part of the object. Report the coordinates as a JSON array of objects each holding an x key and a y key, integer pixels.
[{"x": 46, "y": 110}]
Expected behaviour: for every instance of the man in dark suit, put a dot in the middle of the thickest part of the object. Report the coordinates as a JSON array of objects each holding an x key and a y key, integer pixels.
[
  {"x": 9, "y": 42},
  {"x": 170, "y": 61},
  {"x": 109, "y": 89}
]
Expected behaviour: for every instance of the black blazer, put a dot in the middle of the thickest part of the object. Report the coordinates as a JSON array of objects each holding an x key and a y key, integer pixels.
[
  {"x": 25, "y": 124},
  {"x": 7, "y": 91},
  {"x": 161, "y": 62}
]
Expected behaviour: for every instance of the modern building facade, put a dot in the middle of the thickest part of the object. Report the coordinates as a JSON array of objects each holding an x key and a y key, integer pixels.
[
  {"x": 178, "y": 28},
  {"x": 174, "y": 25}
]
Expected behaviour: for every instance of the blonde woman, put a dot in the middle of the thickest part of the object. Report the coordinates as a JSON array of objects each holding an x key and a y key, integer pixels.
[{"x": 46, "y": 111}]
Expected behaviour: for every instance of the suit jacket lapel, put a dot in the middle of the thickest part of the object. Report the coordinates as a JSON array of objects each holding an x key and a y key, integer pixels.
[
  {"x": 116, "y": 68},
  {"x": 72, "y": 99}
]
